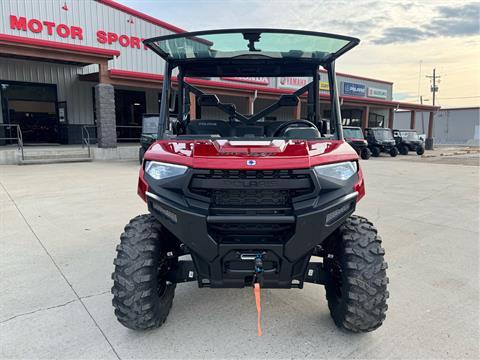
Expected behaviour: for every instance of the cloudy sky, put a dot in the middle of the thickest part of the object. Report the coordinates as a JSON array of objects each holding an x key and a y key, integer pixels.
[{"x": 401, "y": 41}]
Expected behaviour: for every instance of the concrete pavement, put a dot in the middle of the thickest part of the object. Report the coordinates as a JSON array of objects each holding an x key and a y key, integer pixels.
[{"x": 60, "y": 223}]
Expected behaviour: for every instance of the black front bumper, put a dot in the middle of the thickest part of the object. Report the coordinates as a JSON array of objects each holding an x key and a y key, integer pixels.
[{"x": 226, "y": 260}]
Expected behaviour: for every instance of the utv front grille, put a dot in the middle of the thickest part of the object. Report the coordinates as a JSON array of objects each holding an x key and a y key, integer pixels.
[
  {"x": 279, "y": 184},
  {"x": 251, "y": 193},
  {"x": 255, "y": 198}
]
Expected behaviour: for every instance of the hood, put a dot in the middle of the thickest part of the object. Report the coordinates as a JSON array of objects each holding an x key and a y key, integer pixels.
[
  {"x": 388, "y": 142},
  {"x": 262, "y": 155},
  {"x": 356, "y": 140}
]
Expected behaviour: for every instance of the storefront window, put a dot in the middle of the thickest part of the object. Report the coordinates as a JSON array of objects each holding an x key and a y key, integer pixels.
[
  {"x": 375, "y": 120},
  {"x": 351, "y": 117}
]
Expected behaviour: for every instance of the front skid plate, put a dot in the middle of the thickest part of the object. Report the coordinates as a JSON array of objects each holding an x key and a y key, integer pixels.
[{"x": 185, "y": 271}]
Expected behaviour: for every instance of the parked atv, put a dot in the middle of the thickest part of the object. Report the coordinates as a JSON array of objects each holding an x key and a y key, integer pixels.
[
  {"x": 380, "y": 140},
  {"x": 408, "y": 140},
  {"x": 251, "y": 201},
  {"x": 354, "y": 137}
]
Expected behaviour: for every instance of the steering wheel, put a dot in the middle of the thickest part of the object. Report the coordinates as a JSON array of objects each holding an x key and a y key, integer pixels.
[{"x": 287, "y": 124}]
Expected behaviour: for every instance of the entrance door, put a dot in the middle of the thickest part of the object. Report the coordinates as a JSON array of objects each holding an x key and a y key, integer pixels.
[
  {"x": 33, "y": 107},
  {"x": 129, "y": 108}
]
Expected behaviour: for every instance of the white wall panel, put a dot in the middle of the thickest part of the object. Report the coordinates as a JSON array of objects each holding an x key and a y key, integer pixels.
[{"x": 91, "y": 16}]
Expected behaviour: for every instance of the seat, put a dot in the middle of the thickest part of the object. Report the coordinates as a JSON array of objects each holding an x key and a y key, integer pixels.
[
  {"x": 208, "y": 127},
  {"x": 250, "y": 131},
  {"x": 270, "y": 126}
]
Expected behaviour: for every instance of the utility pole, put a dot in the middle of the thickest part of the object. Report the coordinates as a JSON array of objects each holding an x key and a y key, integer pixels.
[{"x": 433, "y": 87}]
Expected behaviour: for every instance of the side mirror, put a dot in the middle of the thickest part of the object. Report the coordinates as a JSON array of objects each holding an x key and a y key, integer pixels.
[{"x": 207, "y": 100}]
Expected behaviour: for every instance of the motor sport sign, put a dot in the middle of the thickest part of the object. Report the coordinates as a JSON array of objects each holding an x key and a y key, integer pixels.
[{"x": 51, "y": 28}]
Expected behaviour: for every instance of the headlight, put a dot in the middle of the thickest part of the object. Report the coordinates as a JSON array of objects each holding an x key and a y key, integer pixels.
[
  {"x": 339, "y": 171},
  {"x": 160, "y": 171}
]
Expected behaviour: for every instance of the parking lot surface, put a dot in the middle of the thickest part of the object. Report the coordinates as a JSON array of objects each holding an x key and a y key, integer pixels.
[{"x": 60, "y": 224}]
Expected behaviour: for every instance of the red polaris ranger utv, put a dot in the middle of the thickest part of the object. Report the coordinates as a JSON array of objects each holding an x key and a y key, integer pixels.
[{"x": 260, "y": 199}]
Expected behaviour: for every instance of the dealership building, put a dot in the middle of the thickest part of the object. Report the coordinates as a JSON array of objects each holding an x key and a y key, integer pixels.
[{"x": 70, "y": 67}]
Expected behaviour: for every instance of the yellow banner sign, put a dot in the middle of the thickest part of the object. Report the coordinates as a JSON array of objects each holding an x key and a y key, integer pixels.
[{"x": 324, "y": 85}]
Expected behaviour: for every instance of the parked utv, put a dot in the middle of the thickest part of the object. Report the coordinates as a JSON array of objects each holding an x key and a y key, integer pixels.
[
  {"x": 149, "y": 133},
  {"x": 380, "y": 140},
  {"x": 255, "y": 203},
  {"x": 408, "y": 140},
  {"x": 354, "y": 137}
]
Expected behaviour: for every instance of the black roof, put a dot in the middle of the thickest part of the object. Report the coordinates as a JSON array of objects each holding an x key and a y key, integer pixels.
[{"x": 250, "y": 52}]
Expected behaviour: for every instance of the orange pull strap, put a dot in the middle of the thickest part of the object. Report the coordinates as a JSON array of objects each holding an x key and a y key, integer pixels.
[{"x": 256, "y": 292}]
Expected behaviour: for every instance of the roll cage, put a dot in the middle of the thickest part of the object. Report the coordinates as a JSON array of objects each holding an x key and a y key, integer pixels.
[{"x": 250, "y": 52}]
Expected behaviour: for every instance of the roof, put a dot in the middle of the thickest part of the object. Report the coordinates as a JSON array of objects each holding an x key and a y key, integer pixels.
[{"x": 247, "y": 51}]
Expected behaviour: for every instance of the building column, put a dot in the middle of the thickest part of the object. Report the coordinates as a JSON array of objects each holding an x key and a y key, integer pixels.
[
  {"x": 193, "y": 106},
  {"x": 297, "y": 110},
  {"x": 105, "y": 109},
  {"x": 391, "y": 117},
  {"x": 429, "y": 140},
  {"x": 250, "y": 105},
  {"x": 365, "y": 113},
  {"x": 413, "y": 119}
]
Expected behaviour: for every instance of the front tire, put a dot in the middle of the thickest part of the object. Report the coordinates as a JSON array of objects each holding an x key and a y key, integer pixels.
[
  {"x": 365, "y": 154},
  {"x": 357, "y": 289},
  {"x": 142, "y": 296},
  {"x": 403, "y": 149},
  {"x": 420, "y": 150},
  {"x": 393, "y": 152},
  {"x": 375, "y": 151}
]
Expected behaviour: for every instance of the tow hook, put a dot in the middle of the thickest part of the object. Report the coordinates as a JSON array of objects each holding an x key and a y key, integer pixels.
[
  {"x": 257, "y": 283},
  {"x": 258, "y": 271}
]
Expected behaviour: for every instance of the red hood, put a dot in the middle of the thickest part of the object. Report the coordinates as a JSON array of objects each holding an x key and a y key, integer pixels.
[{"x": 233, "y": 154}]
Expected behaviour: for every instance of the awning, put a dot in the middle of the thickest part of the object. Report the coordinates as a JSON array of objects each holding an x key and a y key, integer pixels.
[
  {"x": 46, "y": 50},
  {"x": 148, "y": 80}
]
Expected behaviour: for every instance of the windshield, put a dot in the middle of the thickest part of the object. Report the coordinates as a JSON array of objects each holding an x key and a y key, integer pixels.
[
  {"x": 410, "y": 135},
  {"x": 255, "y": 43},
  {"x": 383, "y": 134},
  {"x": 354, "y": 133}
]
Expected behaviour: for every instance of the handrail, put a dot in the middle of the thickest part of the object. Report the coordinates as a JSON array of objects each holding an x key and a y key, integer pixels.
[
  {"x": 86, "y": 138},
  {"x": 18, "y": 138}
]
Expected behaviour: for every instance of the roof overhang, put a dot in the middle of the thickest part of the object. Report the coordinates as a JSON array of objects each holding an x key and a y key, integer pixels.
[
  {"x": 45, "y": 50},
  {"x": 147, "y": 80}
]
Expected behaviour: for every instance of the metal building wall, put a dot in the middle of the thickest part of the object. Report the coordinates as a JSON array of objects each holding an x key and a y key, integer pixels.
[
  {"x": 451, "y": 126},
  {"x": 76, "y": 93},
  {"x": 91, "y": 16}
]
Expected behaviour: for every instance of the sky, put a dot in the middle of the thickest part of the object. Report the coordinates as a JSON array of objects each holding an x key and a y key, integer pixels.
[{"x": 401, "y": 41}]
